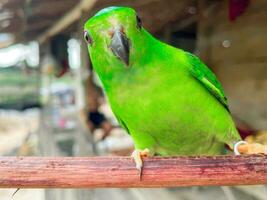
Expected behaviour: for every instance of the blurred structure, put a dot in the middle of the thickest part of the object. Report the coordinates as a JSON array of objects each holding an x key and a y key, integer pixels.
[
  {"x": 236, "y": 51},
  {"x": 44, "y": 65}
]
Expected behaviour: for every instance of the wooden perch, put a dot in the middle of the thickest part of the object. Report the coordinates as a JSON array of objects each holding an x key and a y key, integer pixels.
[{"x": 96, "y": 172}]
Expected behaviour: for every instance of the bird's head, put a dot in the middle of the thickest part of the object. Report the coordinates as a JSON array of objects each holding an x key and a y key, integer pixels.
[{"x": 115, "y": 38}]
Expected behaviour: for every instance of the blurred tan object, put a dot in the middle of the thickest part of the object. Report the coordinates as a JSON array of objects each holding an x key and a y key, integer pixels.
[
  {"x": 252, "y": 148},
  {"x": 25, "y": 150},
  {"x": 254, "y": 144},
  {"x": 15, "y": 127},
  {"x": 28, "y": 147},
  {"x": 259, "y": 137}
]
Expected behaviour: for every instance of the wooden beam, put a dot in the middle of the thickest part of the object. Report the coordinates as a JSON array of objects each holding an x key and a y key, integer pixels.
[
  {"x": 67, "y": 19},
  {"x": 120, "y": 172},
  {"x": 50, "y": 8}
]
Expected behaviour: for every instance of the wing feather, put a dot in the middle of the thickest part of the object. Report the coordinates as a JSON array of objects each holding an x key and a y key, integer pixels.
[{"x": 206, "y": 77}]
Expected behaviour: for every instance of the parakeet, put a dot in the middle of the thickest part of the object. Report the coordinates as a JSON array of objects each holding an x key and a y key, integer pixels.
[{"x": 166, "y": 98}]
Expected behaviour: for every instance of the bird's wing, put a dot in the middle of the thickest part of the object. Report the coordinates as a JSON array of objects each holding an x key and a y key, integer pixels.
[
  {"x": 122, "y": 123},
  {"x": 206, "y": 77}
]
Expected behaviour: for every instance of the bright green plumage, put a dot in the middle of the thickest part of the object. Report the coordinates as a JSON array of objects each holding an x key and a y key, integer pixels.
[{"x": 166, "y": 98}]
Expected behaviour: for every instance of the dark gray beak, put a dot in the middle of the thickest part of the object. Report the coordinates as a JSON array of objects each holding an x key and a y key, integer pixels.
[{"x": 120, "y": 46}]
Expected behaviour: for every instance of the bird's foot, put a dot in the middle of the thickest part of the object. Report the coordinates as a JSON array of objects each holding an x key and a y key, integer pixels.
[
  {"x": 243, "y": 147},
  {"x": 137, "y": 155}
]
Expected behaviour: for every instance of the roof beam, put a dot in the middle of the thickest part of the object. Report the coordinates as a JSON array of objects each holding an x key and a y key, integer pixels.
[{"x": 67, "y": 20}]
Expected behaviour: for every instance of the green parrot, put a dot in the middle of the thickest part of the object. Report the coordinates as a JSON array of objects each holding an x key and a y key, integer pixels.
[{"x": 166, "y": 98}]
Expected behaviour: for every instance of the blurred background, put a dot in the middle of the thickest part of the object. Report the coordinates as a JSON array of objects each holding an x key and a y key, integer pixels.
[{"x": 51, "y": 102}]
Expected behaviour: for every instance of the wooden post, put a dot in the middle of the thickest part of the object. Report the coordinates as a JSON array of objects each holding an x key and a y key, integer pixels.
[
  {"x": 84, "y": 139},
  {"x": 120, "y": 172}
]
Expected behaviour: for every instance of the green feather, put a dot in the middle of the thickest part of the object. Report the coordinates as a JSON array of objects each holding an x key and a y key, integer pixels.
[{"x": 202, "y": 73}]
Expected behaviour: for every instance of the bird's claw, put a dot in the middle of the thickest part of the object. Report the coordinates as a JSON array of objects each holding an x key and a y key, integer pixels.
[
  {"x": 243, "y": 147},
  {"x": 137, "y": 155}
]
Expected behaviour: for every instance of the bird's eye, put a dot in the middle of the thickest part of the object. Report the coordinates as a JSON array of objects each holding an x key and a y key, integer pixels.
[
  {"x": 138, "y": 22},
  {"x": 88, "y": 38}
]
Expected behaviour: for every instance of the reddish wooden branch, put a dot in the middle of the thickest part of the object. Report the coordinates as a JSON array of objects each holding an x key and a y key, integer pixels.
[{"x": 94, "y": 172}]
